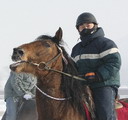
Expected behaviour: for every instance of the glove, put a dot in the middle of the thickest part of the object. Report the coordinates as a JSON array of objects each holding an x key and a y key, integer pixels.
[
  {"x": 92, "y": 77},
  {"x": 27, "y": 96}
]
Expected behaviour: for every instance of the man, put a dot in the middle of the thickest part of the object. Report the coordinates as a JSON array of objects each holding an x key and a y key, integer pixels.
[
  {"x": 18, "y": 86},
  {"x": 98, "y": 60}
]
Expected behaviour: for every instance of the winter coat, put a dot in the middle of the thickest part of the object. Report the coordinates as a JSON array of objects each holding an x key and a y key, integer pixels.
[
  {"x": 19, "y": 84},
  {"x": 96, "y": 53}
]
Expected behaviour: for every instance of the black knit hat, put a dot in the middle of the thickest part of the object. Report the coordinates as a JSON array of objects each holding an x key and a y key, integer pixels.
[{"x": 85, "y": 18}]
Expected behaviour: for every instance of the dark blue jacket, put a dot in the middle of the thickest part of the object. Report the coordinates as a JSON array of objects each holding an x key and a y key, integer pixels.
[{"x": 95, "y": 53}]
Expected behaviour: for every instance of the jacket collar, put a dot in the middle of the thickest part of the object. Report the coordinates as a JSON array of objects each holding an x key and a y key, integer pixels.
[{"x": 89, "y": 38}]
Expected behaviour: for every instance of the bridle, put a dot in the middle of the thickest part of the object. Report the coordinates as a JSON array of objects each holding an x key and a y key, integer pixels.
[{"x": 45, "y": 66}]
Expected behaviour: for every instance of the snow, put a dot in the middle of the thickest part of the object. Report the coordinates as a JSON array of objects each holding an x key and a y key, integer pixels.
[{"x": 2, "y": 107}]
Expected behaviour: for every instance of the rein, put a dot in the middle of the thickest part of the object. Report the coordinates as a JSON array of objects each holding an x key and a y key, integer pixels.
[
  {"x": 44, "y": 66},
  {"x": 49, "y": 96}
]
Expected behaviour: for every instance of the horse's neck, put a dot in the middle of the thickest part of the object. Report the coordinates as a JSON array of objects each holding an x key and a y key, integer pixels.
[
  {"x": 48, "y": 107},
  {"x": 51, "y": 83}
]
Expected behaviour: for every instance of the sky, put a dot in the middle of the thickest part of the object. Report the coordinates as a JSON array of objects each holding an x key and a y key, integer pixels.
[{"x": 22, "y": 21}]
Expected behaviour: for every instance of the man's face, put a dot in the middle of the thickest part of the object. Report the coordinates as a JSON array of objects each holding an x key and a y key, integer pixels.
[{"x": 85, "y": 26}]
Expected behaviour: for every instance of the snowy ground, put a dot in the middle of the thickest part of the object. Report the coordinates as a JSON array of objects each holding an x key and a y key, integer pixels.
[{"x": 2, "y": 106}]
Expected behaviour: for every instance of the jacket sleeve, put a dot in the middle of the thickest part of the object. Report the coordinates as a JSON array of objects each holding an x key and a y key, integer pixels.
[
  {"x": 16, "y": 82},
  {"x": 8, "y": 90},
  {"x": 24, "y": 83},
  {"x": 111, "y": 61}
]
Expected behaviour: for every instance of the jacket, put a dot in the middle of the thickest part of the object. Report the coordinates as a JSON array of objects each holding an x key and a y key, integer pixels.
[
  {"x": 19, "y": 84},
  {"x": 96, "y": 53}
]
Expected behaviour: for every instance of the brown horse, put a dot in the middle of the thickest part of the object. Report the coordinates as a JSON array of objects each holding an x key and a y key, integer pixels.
[{"x": 60, "y": 95}]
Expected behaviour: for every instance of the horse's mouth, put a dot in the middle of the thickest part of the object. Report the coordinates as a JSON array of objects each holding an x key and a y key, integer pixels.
[{"x": 16, "y": 64}]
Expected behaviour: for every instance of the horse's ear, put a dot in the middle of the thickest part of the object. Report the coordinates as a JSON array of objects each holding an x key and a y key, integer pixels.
[{"x": 59, "y": 34}]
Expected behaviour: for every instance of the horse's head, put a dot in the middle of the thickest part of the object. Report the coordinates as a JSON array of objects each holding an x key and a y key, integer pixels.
[{"x": 34, "y": 56}]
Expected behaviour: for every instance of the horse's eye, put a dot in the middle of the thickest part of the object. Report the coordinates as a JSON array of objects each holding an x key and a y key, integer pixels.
[{"x": 47, "y": 44}]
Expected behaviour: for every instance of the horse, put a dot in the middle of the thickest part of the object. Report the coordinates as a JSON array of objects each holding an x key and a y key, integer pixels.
[{"x": 60, "y": 93}]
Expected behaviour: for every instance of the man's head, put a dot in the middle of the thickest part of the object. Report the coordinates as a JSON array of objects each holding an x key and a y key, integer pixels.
[
  {"x": 86, "y": 23},
  {"x": 85, "y": 18}
]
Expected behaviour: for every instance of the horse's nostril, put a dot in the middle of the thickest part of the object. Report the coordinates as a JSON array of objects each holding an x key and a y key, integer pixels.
[
  {"x": 15, "y": 50},
  {"x": 18, "y": 51}
]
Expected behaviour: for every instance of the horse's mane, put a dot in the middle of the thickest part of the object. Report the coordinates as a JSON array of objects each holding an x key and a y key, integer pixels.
[{"x": 71, "y": 87}]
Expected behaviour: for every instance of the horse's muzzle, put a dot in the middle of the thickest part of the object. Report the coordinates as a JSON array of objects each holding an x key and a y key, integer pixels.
[{"x": 17, "y": 54}]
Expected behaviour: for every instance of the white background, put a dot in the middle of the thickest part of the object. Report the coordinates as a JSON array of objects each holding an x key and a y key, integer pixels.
[{"x": 22, "y": 21}]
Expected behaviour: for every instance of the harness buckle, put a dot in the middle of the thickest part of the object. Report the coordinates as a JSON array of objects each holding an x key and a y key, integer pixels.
[{"x": 43, "y": 66}]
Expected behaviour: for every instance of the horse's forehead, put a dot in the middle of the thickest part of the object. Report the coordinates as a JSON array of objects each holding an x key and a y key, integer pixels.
[
  {"x": 39, "y": 47},
  {"x": 43, "y": 42},
  {"x": 37, "y": 43}
]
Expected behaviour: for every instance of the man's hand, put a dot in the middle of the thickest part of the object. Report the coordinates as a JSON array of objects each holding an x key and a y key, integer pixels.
[{"x": 92, "y": 77}]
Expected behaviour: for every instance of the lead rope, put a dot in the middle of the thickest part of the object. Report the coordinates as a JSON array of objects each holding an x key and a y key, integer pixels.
[{"x": 49, "y": 96}]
